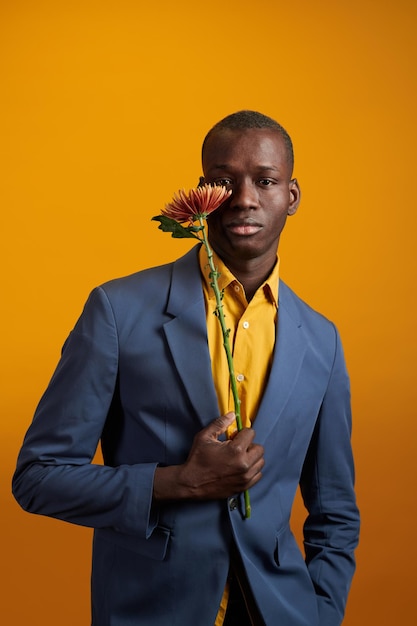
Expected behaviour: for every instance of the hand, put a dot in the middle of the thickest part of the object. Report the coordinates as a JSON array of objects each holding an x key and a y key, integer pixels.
[{"x": 214, "y": 469}]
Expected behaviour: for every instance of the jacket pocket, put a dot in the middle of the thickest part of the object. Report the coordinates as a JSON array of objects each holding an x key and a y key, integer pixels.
[
  {"x": 155, "y": 547},
  {"x": 282, "y": 541}
]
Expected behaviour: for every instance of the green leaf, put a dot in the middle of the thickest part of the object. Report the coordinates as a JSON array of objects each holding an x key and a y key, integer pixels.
[{"x": 168, "y": 225}]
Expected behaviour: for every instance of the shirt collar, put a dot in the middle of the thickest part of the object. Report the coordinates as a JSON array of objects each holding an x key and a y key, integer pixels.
[{"x": 226, "y": 278}]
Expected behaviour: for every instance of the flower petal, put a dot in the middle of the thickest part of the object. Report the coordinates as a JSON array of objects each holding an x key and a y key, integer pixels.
[{"x": 199, "y": 201}]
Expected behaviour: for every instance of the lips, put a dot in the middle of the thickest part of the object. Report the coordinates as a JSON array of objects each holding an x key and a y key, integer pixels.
[{"x": 244, "y": 228}]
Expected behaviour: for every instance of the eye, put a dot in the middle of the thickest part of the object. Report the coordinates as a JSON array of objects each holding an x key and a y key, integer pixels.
[
  {"x": 265, "y": 182},
  {"x": 223, "y": 182}
]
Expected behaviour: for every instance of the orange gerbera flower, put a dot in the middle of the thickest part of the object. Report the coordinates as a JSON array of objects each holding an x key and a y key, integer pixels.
[{"x": 198, "y": 202}]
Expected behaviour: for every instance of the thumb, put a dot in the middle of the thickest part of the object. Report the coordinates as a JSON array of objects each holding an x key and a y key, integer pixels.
[{"x": 220, "y": 425}]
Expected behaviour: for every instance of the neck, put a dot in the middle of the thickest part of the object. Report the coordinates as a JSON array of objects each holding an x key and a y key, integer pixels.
[{"x": 251, "y": 273}]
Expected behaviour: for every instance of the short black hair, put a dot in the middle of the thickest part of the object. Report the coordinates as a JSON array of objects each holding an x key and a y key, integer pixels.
[{"x": 242, "y": 120}]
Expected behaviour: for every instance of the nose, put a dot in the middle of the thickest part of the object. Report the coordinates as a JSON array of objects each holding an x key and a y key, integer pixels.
[{"x": 244, "y": 195}]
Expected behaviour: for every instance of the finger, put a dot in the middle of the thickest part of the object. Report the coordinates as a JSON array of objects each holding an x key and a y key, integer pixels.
[
  {"x": 220, "y": 425},
  {"x": 244, "y": 437},
  {"x": 246, "y": 458},
  {"x": 254, "y": 472}
]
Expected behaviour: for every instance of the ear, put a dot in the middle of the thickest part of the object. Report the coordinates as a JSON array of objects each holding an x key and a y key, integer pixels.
[
  {"x": 201, "y": 182},
  {"x": 295, "y": 196}
]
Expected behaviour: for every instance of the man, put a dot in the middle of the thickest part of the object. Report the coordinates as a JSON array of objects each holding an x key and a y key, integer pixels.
[{"x": 143, "y": 370}]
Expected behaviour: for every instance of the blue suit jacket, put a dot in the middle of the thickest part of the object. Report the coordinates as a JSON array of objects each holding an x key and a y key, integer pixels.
[{"x": 136, "y": 372}]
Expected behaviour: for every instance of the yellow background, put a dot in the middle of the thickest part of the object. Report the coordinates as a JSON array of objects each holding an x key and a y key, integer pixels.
[{"x": 103, "y": 109}]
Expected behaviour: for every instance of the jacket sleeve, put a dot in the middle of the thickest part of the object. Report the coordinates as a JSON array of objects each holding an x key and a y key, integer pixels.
[
  {"x": 55, "y": 475},
  {"x": 331, "y": 529}
]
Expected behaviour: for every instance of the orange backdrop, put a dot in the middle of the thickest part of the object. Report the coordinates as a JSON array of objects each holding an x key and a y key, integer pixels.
[{"x": 102, "y": 112}]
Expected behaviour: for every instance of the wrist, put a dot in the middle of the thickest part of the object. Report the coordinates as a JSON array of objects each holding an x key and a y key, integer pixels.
[{"x": 169, "y": 484}]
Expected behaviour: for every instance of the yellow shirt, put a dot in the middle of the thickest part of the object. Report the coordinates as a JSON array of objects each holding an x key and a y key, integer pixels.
[{"x": 252, "y": 338}]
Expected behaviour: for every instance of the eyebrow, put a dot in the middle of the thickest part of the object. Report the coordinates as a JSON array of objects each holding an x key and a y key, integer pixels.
[{"x": 260, "y": 168}]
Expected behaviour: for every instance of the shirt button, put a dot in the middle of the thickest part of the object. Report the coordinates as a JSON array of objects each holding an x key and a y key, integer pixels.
[
  {"x": 245, "y": 324},
  {"x": 240, "y": 378},
  {"x": 237, "y": 288},
  {"x": 232, "y": 504}
]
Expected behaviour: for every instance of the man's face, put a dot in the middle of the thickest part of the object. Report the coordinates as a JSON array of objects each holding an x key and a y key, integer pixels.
[{"x": 253, "y": 164}]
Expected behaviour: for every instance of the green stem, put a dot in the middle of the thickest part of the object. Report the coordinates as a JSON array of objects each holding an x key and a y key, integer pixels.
[{"x": 226, "y": 343}]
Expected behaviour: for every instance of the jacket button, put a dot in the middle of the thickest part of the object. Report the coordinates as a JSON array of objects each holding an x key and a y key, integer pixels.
[{"x": 232, "y": 503}]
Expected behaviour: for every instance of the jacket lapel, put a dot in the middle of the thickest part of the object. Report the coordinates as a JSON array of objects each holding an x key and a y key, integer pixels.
[
  {"x": 290, "y": 349},
  {"x": 186, "y": 335}
]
